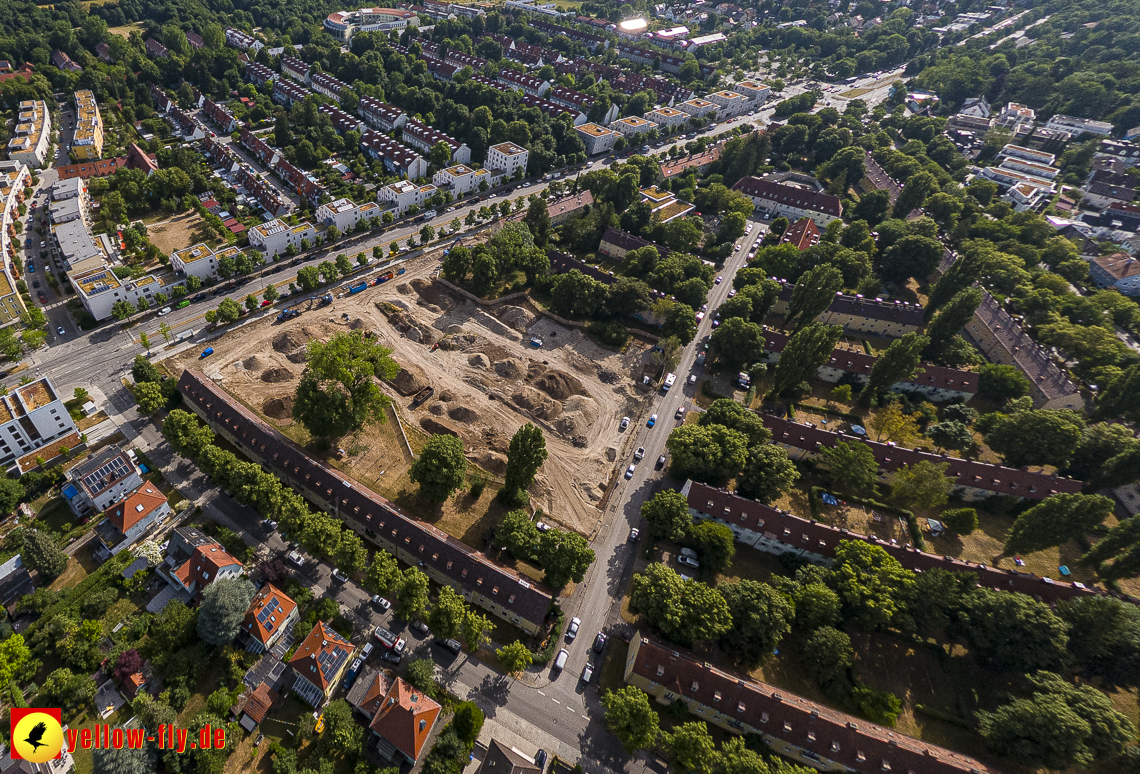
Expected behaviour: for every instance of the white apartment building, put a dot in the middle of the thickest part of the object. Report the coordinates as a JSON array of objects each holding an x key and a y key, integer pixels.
[
  {"x": 667, "y": 117},
  {"x": 14, "y": 176},
  {"x": 1028, "y": 154},
  {"x": 632, "y": 125},
  {"x": 729, "y": 103},
  {"x": 697, "y": 107},
  {"x": 99, "y": 289},
  {"x": 31, "y": 417},
  {"x": 597, "y": 139},
  {"x": 1030, "y": 167},
  {"x": 404, "y": 195},
  {"x": 98, "y": 482},
  {"x": 87, "y": 140},
  {"x": 1016, "y": 117},
  {"x": 345, "y": 214},
  {"x": 275, "y": 237},
  {"x": 1006, "y": 177},
  {"x": 756, "y": 93},
  {"x": 195, "y": 261},
  {"x": 1078, "y": 126},
  {"x": 508, "y": 157},
  {"x": 462, "y": 179},
  {"x": 32, "y": 134}
]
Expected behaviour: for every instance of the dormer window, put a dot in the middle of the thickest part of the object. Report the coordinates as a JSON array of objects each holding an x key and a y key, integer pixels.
[
  {"x": 660, "y": 671},
  {"x": 694, "y": 686}
]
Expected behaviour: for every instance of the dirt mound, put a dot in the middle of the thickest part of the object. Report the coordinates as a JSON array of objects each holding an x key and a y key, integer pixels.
[
  {"x": 404, "y": 289},
  {"x": 463, "y": 414},
  {"x": 437, "y": 427},
  {"x": 493, "y": 462},
  {"x": 478, "y": 360},
  {"x": 279, "y": 408},
  {"x": 456, "y": 328},
  {"x": 516, "y": 317},
  {"x": 446, "y": 396},
  {"x": 277, "y": 375},
  {"x": 357, "y": 324},
  {"x": 300, "y": 356},
  {"x": 409, "y": 383},
  {"x": 437, "y": 409},
  {"x": 581, "y": 404},
  {"x": 509, "y": 369},
  {"x": 559, "y": 384},
  {"x": 433, "y": 293},
  {"x": 414, "y": 334},
  {"x": 536, "y": 403},
  {"x": 534, "y": 369},
  {"x": 289, "y": 341},
  {"x": 256, "y": 363},
  {"x": 611, "y": 453},
  {"x": 400, "y": 304},
  {"x": 606, "y": 376}
]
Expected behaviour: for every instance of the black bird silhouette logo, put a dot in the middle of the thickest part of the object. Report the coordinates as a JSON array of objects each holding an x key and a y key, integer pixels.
[{"x": 35, "y": 735}]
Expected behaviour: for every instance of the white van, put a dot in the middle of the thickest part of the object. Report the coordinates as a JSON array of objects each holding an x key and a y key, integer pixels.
[
  {"x": 670, "y": 380},
  {"x": 560, "y": 662}
]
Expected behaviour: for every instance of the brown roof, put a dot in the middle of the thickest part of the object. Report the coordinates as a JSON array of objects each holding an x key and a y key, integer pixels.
[
  {"x": 259, "y": 702},
  {"x": 320, "y": 657},
  {"x": 852, "y": 742},
  {"x": 501, "y": 759},
  {"x": 405, "y": 718},
  {"x": 674, "y": 168},
  {"x": 868, "y": 308},
  {"x": 378, "y": 687},
  {"x": 803, "y": 234},
  {"x": 627, "y": 241},
  {"x": 137, "y": 506},
  {"x": 1118, "y": 265},
  {"x": 466, "y": 568},
  {"x": 813, "y": 201},
  {"x": 206, "y": 560},
  {"x": 267, "y": 613},
  {"x": 570, "y": 204}
]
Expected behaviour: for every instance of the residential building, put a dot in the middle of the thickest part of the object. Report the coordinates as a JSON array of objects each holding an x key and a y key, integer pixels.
[
  {"x": 303, "y": 183},
  {"x": 462, "y": 179},
  {"x": 729, "y": 104},
  {"x": 1077, "y": 126},
  {"x": 460, "y": 60},
  {"x": 528, "y": 84},
  {"x": 507, "y": 157},
  {"x": 258, "y": 73},
  {"x": 31, "y": 135},
  {"x": 323, "y": 83},
  {"x": 803, "y": 234},
  {"x": 1001, "y": 339},
  {"x": 287, "y": 93},
  {"x": 99, "y": 289},
  {"x": 15, "y": 583},
  {"x": 667, "y": 62},
  {"x": 14, "y": 177},
  {"x": 87, "y": 142},
  {"x": 1019, "y": 164},
  {"x": 270, "y": 615},
  {"x": 699, "y": 162},
  {"x": 136, "y": 158},
  {"x": 809, "y": 734},
  {"x": 318, "y": 663},
  {"x": 425, "y": 138},
  {"x": 1007, "y": 177},
  {"x": 631, "y": 126},
  {"x": 263, "y": 192},
  {"x": 275, "y": 237},
  {"x": 665, "y": 205},
  {"x": 130, "y": 519},
  {"x": 1104, "y": 195},
  {"x": 857, "y": 314},
  {"x": 194, "y": 561},
  {"x": 184, "y": 124},
  {"x": 789, "y": 201},
  {"x": 403, "y": 722},
  {"x": 617, "y": 244},
  {"x": 1127, "y": 153},
  {"x": 262, "y": 151},
  {"x": 219, "y": 115},
  {"x": 569, "y": 207},
  {"x": 156, "y": 50},
  {"x": 404, "y": 195},
  {"x": 345, "y": 214},
  {"x": 1027, "y": 154},
  {"x": 553, "y": 109},
  {"x": 295, "y": 68},
  {"x": 597, "y": 139},
  {"x": 341, "y": 121},
  {"x": 697, "y": 107},
  {"x": 242, "y": 41},
  {"x": 1017, "y": 118},
  {"x": 64, "y": 764},
  {"x": 530, "y": 6},
  {"x": 579, "y": 102},
  {"x": 700, "y": 41},
  {"x": 398, "y": 159},
  {"x": 482, "y": 583},
  {"x": 756, "y": 93},
  {"x": 344, "y": 24},
  {"x": 385, "y": 117},
  {"x": 667, "y": 117},
  {"x": 500, "y": 759},
  {"x": 257, "y": 706},
  {"x": 64, "y": 62},
  {"x": 1118, "y": 271},
  {"x": 588, "y": 39},
  {"x": 32, "y": 416},
  {"x": 195, "y": 261},
  {"x": 195, "y": 41}
]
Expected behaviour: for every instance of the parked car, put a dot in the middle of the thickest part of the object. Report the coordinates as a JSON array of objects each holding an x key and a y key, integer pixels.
[
  {"x": 688, "y": 561},
  {"x": 392, "y": 657},
  {"x": 420, "y": 627},
  {"x": 540, "y": 760},
  {"x": 652, "y": 420},
  {"x": 452, "y": 645},
  {"x": 572, "y": 631},
  {"x": 366, "y": 651},
  {"x": 61, "y": 331},
  {"x": 639, "y": 455},
  {"x": 629, "y": 471},
  {"x": 633, "y": 534},
  {"x": 164, "y": 311},
  {"x": 660, "y": 463},
  {"x": 380, "y": 602},
  {"x": 542, "y": 526},
  {"x": 588, "y": 672},
  {"x": 295, "y": 558},
  {"x": 599, "y": 642},
  {"x": 339, "y": 576},
  {"x": 624, "y": 420},
  {"x": 560, "y": 661},
  {"x": 269, "y": 524}
]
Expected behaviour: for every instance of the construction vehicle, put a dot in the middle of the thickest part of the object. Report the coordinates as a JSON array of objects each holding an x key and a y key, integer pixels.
[
  {"x": 384, "y": 278},
  {"x": 326, "y": 299},
  {"x": 288, "y": 314}
]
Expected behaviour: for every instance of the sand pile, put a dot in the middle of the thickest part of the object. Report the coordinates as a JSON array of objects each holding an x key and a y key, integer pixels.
[
  {"x": 404, "y": 289},
  {"x": 559, "y": 384},
  {"x": 516, "y": 317},
  {"x": 446, "y": 396},
  {"x": 491, "y": 461},
  {"x": 256, "y": 362},
  {"x": 437, "y": 427},
  {"x": 478, "y": 360},
  {"x": 278, "y": 374},
  {"x": 463, "y": 414},
  {"x": 437, "y": 409},
  {"x": 432, "y": 293},
  {"x": 535, "y": 402},
  {"x": 409, "y": 382},
  {"x": 289, "y": 341},
  {"x": 300, "y": 356}
]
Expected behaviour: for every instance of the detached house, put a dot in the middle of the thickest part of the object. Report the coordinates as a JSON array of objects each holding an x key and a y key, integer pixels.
[
  {"x": 318, "y": 663},
  {"x": 270, "y": 615},
  {"x": 101, "y": 480},
  {"x": 129, "y": 519},
  {"x": 194, "y": 561},
  {"x": 402, "y": 722}
]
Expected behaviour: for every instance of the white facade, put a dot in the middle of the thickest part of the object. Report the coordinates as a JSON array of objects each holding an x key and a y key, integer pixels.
[
  {"x": 99, "y": 289},
  {"x": 344, "y": 214},
  {"x": 632, "y": 126},
  {"x": 31, "y": 417},
  {"x": 31, "y": 135},
  {"x": 597, "y": 139},
  {"x": 195, "y": 261},
  {"x": 1004, "y": 176},
  {"x": 462, "y": 179},
  {"x": 756, "y": 93},
  {"x": 729, "y": 103},
  {"x": 507, "y": 157},
  {"x": 1078, "y": 126},
  {"x": 667, "y": 116},
  {"x": 1030, "y": 167},
  {"x": 697, "y": 107},
  {"x": 404, "y": 195},
  {"x": 275, "y": 237}
]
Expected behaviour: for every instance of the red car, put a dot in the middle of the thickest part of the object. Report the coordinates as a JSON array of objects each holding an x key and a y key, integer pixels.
[{"x": 266, "y": 302}]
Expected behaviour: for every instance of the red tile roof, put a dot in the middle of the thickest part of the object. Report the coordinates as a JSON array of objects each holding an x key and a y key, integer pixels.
[
  {"x": 201, "y": 569},
  {"x": 259, "y": 702},
  {"x": 780, "y": 193},
  {"x": 803, "y": 234},
  {"x": 267, "y": 613},
  {"x": 1118, "y": 265},
  {"x": 405, "y": 718},
  {"x": 137, "y": 506},
  {"x": 320, "y": 656}
]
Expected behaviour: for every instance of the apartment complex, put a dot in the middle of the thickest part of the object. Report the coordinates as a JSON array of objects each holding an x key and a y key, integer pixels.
[
  {"x": 398, "y": 159},
  {"x": 404, "y": 195},
  {"x": 14, "y": 177},
  {"x": 862, "y": 315},
  {"x": 789, "y": 201},
  {"x": 32, "y": 416},
  {"x": 195, "y": 261},
  {"x": 98, "y": 482},
  {"x": 32, "y": 135},
  {"x": 345, "y": 214},
  {"x": 508, "y": 157},
  {"x": 462, "y": 179},
  {"x": 99, "y": 289},
  {"x": 597, "y": 139},
  {"x": 667, "y": 117},
  {"x": 631, "y": 126},
  {"x": 697, "y": 108},
  {"x": 425, "y": 138},
  {"x": 87, "y": 143},
  {"x": 276, "y": 237},
  {"x": 381, "y": 115},
  {"x": 729, "y": 104}
]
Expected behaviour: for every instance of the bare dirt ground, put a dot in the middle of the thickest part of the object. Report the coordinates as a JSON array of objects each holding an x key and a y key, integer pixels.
[
  {"x": 488, "y": 382},
  {"x": 176, "y": 233}
]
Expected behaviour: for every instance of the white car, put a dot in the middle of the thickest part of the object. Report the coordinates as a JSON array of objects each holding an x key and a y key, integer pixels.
[
  {"x": 719, "y": 279},
  {"x": 542, "y": 526},
  {"x": 688, "y": 561},
  {"x": 572, "y": 631},
  {"x": 624, "y": 422},
  {"x": 629, "y": 471},
  {"x": 639, "y": 455},
  {"x": 164, "y": 311},
  {"x": 339, "y": 576}
]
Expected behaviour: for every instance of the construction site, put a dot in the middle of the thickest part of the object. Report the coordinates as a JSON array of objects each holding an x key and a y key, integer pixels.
[{"x": 478, "y": 372}]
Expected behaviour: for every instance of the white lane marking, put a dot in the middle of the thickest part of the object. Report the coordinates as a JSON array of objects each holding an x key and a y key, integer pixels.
[
  {"x": 540, "y": 693},
  {"x": 556, "y": 701}
]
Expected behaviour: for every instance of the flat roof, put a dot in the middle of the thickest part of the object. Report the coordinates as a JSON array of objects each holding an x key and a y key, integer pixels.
[{"x": 595, "y": 130}]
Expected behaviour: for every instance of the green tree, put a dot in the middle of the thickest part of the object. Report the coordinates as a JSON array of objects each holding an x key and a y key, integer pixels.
[
  {"x": 827, "y": 654},
  {"x": 761, "y": 617},
  {"x": 897, "y": 364},
  {"x": 309, "y": 277},
  {"x": 816, "y": 606},
  {"x": 733, "y": 415},
  {"x": 917, "y": 190},
  {"x": 914, "y": 255},
  {"x": 383, "y": 575},
  {"x": 708, "y": 453},
  {"x": 121, "y": 310},
  {"x": 715, "y": 544},
  {"x": 342, "y": 734},
  {"x": 952, "y": 319},
  {"x": 150, "y": 397},
  {"x": 807, "y": 349},
  {"x": 41, "y": 554},
  {"x": 767, "y": 474},
  {"x": 628, "y": 295},
  {"x": 1014, "y": 632},
  {"x": 1002, "y": 382},
  {"x": 667, "y": 515},
  {"x": 11, "y": 492},
  {"x": 412, "y": 594},
  {"x": 1044, "y": 437},
  {"x": 476, "y": 630},
  {"x": 517, "y": 533},
  {"x": 951, "y": 435},
  {"x": 630, "y": 718},
  {"x": 185, "y": 434},
  {"x": 851, "y": 466},
  {"x": 224, "y": 603},
  {"x": 525, "y": 456},
  {"x": 142, "y": 370},
  {"x": 1117, "y": 554},
  {"x": 692, "y": 748},
  {"x": 737, "y": 342},
  {"x": 123, "y": 761},
  {"x": 681, "y": 322},
  {"x": 874, "y": 586},
  {"x": 514, "y": 658},
  {"x": 14, "y": 655},
  {"x": 537, "y": 219},
  {"x": 338, "y": 392},
  {"x": 565, "y": 556},
  {"x": 812, "y": 295},
  {"x": 1056, "y": 520},
  {"x": 960, "y": 521},
  {"x": 440, "y": 469},
  {"x": 923, "y": 486},
  {"x": 446, "y": 616},
  {"x": 684, "y": 611},
  {"x": 228, "y": 311}
]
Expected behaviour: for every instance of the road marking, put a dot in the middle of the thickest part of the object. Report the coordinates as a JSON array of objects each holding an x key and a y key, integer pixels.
[
  {"x": 540, "y": 693},
  {"x": 556, "y": 701}
]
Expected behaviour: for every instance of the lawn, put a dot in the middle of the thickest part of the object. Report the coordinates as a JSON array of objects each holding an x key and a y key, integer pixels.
[
  {"x": 83, "y": 760},
  {"x": 79, "y": 566}
]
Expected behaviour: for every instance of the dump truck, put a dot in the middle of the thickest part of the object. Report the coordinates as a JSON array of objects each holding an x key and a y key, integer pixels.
[
  {"x": 357, "y": 288},
  {"x": 384, "y": 278}
]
